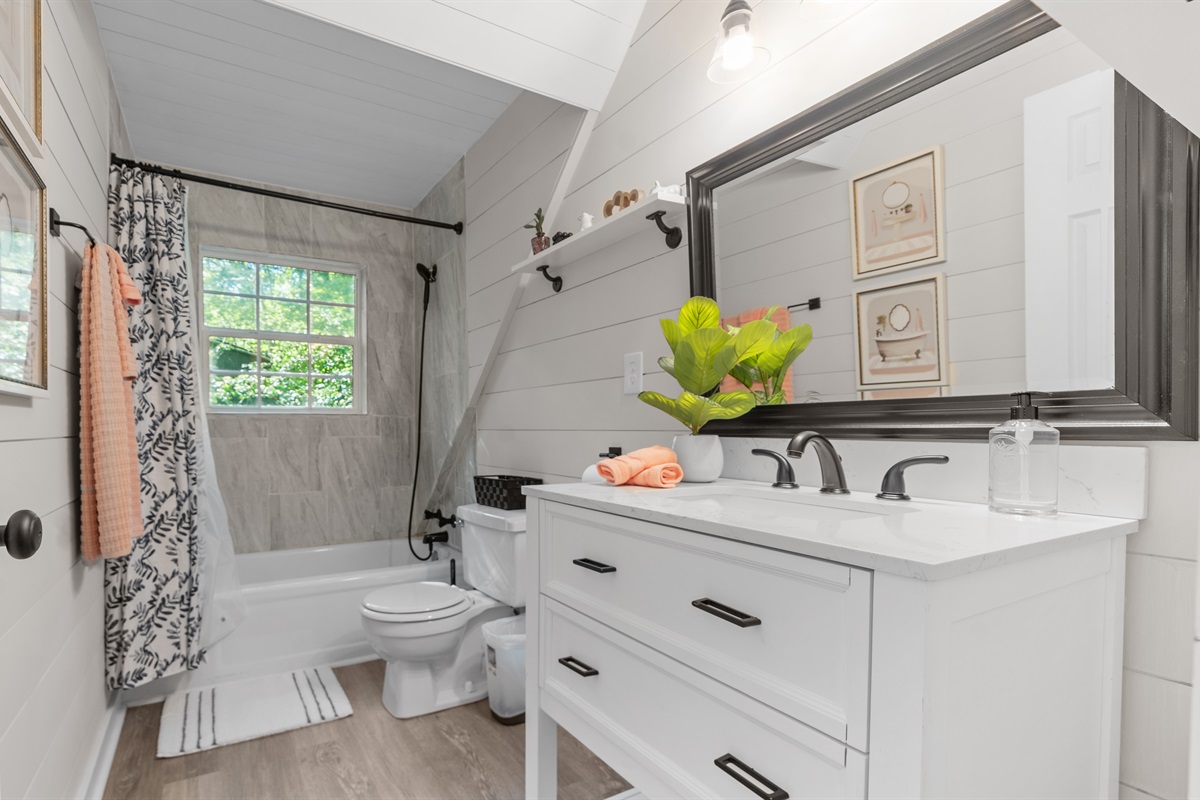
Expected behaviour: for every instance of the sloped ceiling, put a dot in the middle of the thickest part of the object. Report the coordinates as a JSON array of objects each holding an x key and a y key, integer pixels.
[
  {"x": 259, "y": 92},
  {"x": 568, "y": 50},
  {"x": 1150, "y": 42}
]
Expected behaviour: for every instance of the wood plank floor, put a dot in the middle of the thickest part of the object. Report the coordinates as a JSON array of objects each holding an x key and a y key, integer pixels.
[{"x": 459, "y": 754}]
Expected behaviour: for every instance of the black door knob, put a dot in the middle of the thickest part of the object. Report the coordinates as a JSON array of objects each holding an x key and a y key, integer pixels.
[{"x": 22, "y": 536}]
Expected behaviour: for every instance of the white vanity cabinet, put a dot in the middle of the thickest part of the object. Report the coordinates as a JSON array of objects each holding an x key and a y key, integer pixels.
[{"x": 703, "y": 653}]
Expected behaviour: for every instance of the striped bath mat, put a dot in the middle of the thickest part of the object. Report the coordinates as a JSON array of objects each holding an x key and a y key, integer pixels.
[{"x": 202, "y": 719}]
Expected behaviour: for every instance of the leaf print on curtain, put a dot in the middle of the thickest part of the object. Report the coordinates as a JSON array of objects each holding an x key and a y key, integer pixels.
[{"x": 153, "y": 597}]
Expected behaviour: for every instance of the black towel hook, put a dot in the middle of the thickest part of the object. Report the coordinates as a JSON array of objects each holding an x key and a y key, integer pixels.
[{"x": 57, "y": 223}]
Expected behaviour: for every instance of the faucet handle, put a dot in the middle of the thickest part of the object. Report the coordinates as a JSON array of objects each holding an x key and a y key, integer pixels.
[
  {"x": 785, "y": 478},
  {"x": 893, "y": 481}
]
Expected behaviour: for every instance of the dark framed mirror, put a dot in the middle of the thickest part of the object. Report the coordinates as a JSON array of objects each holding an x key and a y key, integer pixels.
[{"x": 1002, "y": 189}]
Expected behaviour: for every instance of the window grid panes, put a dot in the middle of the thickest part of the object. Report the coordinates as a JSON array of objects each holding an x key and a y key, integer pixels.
[{"x": 279, "y": 337}]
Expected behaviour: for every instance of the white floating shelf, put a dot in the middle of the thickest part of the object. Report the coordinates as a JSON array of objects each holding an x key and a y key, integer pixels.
[{"x": 603, "y": 233}]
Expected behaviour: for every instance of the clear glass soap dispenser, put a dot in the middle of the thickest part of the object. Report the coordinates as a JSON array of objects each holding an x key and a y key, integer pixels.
[{"x": 1023, "y": 462}]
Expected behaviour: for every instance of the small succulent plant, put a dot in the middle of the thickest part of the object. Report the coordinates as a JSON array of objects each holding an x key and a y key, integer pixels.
[{"x": 539, "y": 219}]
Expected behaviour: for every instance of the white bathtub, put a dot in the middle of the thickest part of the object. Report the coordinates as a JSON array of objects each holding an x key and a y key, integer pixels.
[{"x": 302, "y": 610}]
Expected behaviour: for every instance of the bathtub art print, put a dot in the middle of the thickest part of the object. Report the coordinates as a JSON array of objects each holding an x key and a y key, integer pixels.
[
  {"x": 896, "y": 215},
  {"x": 901, "y": 335}
]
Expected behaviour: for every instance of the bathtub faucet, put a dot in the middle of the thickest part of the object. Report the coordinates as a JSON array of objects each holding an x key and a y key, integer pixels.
[{"x": 442, "y": 522}]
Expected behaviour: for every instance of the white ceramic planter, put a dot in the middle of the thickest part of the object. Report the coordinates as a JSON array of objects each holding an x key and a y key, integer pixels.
[{"x": 700, "y": 457}]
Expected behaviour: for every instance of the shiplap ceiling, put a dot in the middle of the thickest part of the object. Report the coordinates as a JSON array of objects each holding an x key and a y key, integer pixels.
[
  {"x": 259, "y": 92},
  {"x": 568, "y": 50}
]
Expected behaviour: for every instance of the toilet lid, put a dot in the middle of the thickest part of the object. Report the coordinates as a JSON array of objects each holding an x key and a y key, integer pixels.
[{"x": 424, "y": 600}]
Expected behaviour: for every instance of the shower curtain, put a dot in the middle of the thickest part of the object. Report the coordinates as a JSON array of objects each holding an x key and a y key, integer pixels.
[{"x": 176, "y": 594}]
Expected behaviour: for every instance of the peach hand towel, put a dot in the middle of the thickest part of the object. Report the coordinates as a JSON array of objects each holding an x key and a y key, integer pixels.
[
  {"x": 783, "y": 321},
  {"x": 662, "y": 476},
  {"x": 109, "y": 474},
  {"x": 619, "y": 470}
]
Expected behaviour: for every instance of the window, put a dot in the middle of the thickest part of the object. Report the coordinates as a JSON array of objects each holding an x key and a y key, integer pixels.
[{"x": 281, "y": 334}]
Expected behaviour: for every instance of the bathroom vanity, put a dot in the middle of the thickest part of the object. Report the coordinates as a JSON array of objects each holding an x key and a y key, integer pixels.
[{"x": 730, "y": 640}]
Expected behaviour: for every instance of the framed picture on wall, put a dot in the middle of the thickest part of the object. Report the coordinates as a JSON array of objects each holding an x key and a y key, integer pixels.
[
  {"x": 896, "y": 215},
  {"x": 900, "y": 333},
  {"x": 22, "y": 272},
  {"x": 21, "y": 71}
]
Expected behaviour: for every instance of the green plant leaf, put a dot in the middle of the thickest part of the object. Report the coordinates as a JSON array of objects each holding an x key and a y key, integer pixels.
[
  {"x": 774, "y": 362},
  {"x": 745, "y": 374},
  {"x": 696, "y": 411},
  {"x": 699, "y": 313},
  {"x": 668, "y": 365},
  {"x": 661, "y": 402},
  {"x": 671, "y": 332},
  {"x": 703, "y": 358},
  {"x": 752, "y": 339}
]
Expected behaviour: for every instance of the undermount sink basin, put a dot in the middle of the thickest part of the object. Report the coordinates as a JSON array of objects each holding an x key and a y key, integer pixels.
[{"x": 799, "y": 505}]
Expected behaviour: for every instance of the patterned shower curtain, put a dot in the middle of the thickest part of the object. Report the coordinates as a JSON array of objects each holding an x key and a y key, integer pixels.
[{"x": 153, "y": 597}]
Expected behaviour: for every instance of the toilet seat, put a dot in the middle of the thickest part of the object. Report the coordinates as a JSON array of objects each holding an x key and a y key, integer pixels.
[{"x": 416, "y": 602}]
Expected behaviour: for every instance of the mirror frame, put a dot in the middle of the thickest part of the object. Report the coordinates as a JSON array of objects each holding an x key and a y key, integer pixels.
[{"x": 1157, "y": 250}]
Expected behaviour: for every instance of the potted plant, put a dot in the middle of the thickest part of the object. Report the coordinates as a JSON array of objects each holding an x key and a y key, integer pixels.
[
  {"x": 702, "y": 354},
  {"x": 765, "y": 374},
  {"x": 540, "y": 240}
]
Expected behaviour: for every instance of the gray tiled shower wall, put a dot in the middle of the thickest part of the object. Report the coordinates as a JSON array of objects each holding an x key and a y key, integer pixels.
[{"x": 299, "y": 480}]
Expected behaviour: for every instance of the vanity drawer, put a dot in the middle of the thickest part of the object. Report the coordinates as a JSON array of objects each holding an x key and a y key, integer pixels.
[
  {"x": 790, "y": 631},
  {"x": 679, "y": 723}
]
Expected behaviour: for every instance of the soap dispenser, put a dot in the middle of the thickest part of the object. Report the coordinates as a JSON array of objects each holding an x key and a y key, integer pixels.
[{"x": 1023, "y": 462}]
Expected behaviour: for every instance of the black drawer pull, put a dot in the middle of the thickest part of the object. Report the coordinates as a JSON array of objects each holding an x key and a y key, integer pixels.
[
  {"x": 726, "y": 613},
  {"x": 749, "y": 778},
  {"x": 578, "y": 667},
  {"x": 594, "y": 566}
]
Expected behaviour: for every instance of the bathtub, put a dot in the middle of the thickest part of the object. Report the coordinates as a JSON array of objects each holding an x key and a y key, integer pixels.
[{"x": 302, "y": 610}]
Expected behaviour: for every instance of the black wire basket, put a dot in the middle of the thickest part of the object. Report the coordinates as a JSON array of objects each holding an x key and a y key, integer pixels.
[{"x": 502, "y": 491}]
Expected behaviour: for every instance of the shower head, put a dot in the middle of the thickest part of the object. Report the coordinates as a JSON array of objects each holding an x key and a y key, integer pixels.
[{"x": 429, "y": 275}]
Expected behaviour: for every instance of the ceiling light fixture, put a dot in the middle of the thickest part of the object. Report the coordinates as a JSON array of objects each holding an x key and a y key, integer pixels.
[{"x": 738, "y": 56}]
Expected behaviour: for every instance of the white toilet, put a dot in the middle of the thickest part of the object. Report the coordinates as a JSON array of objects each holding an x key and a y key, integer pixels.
[{"x": 429, "y": 632}]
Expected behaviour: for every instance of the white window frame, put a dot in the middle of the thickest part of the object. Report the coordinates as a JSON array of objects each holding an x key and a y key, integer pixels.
[{"x": 358, "y": 342}]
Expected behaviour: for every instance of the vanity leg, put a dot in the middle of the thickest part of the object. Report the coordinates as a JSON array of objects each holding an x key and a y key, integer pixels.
[{"x": 541, "y": 757}]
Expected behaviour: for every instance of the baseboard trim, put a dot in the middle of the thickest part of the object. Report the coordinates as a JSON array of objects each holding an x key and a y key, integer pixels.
[
  {"x": 102, "y": 763},
  {"x": 630, "y": 794}
]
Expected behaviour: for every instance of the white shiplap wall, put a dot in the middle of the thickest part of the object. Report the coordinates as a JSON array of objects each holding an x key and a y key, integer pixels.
[
  {"x": 554, "y": 400},
  {"x": 54, "y": 704},
  {"x": 785, "y": 237}
]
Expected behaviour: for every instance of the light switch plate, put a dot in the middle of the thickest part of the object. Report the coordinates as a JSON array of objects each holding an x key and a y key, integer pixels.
[{"x": 633, "y": 373}]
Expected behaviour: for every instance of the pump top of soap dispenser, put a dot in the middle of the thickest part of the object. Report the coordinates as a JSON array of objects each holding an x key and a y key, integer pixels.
[{"x": 1025, "y": 409}]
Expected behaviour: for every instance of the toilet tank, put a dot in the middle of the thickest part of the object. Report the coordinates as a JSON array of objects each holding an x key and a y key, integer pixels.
[{"x": 493, "y": 543}]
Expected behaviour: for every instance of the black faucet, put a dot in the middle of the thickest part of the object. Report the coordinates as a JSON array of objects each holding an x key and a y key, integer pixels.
[
  {"x": 893, "y": 480},
  {"x": 785, "y": 478},
  {"x": 833, "y": 479}
]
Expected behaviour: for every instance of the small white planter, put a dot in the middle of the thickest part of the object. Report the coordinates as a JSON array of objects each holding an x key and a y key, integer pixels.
[{"x": 700, "y": 457}]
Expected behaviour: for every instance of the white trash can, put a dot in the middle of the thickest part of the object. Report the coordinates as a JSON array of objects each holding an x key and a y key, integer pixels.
[{"x": 504, "y": 656}]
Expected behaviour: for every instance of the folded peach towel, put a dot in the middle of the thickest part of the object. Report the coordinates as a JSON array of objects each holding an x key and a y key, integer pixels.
[
  {"x": 662, "y": 476},
  {"x": 109, "y": 474},
  {"x": 783, "y": 321},
  {"x": 618, "y": 471}
]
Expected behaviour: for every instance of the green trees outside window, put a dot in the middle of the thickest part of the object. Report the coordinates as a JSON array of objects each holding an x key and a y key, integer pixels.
[{"x": 279, "y": 337}]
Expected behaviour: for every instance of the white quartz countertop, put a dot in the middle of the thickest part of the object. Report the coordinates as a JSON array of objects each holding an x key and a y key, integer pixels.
[{"x": 924, "y": 539}]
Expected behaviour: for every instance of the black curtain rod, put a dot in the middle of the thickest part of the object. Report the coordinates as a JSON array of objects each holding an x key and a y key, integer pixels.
[{"x": 457, "y": 227}]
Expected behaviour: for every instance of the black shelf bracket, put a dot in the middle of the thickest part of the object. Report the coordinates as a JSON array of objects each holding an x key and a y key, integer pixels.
[
  {"x": 674, "y": 235},
  {"x": 555, "y": 282},
  {"x": 812, "y": 304},
  {"x": 57, "y": 223}
]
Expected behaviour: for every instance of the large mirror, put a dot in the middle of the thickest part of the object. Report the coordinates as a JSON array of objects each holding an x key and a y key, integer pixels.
[{"x": 1000, "y": 212}]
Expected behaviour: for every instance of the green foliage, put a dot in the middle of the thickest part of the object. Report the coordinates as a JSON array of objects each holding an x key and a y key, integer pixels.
[
  {"x": 252, "y": 372},
  {"x": 703, "y": 353},
  {"x": 770, "y": 365},
  {"x": 539, "y": 220}
]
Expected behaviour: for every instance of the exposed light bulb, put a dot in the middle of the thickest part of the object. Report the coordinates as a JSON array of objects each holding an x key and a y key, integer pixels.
[{"x": 739, "y": 49}]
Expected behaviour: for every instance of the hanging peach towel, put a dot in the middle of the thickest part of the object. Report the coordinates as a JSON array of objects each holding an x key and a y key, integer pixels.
[
  {"x": 783, "y": 321},
  {"x": 111, "y": 494}
]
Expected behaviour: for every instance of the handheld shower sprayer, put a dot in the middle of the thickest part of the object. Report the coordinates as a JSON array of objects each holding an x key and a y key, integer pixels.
[{"x": 429, "y": 275}]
